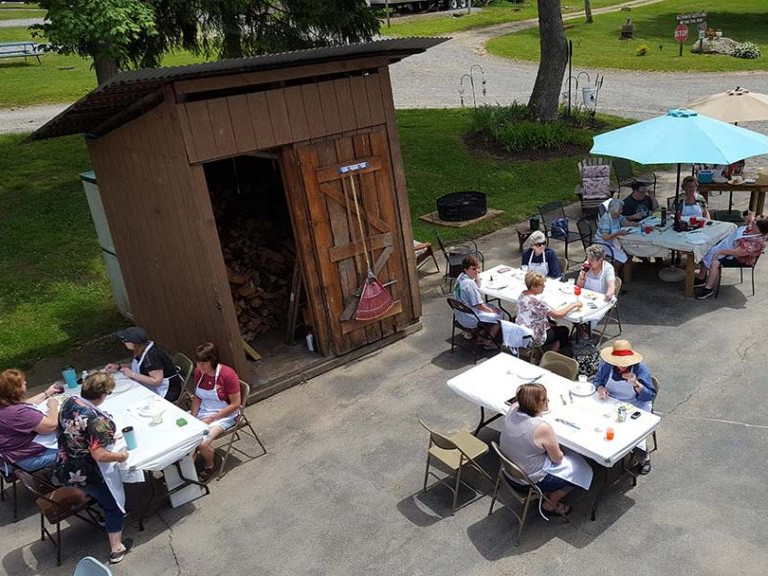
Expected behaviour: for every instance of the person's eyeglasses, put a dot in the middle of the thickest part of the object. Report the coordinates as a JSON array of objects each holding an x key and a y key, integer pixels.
[
  {"x": 545, "y": 400},
  {"x": 539, "y": 244}
]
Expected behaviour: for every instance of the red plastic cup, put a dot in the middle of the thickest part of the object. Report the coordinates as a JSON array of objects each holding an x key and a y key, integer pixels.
[
  {"x": 693, "y": 220},
  {"x": 648, "y": 229},
  {"x": 577, "y": 290},
  {"x": 609, "y": 433}
]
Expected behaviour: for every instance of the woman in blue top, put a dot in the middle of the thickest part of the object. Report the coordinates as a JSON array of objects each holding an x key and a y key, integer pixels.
[
  {"x": 622, "y": 375},
  {"x": 540, "y": 258},
  {"x": 610, "y": 228}
]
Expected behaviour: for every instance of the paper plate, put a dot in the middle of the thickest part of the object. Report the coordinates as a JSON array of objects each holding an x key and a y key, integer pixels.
[
  {"x": 585, "y": 392},
  {"x": 531, "y": 373},
  {"x": 495, "y": 286}
]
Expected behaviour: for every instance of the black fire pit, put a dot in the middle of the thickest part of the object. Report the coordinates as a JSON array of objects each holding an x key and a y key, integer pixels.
[{"x": 461, "y": 206}]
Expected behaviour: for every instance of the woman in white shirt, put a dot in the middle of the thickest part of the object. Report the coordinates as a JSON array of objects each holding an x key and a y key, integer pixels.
[
  {"x": 597, "y": 274},
  {"x": 694, "y": 203}
]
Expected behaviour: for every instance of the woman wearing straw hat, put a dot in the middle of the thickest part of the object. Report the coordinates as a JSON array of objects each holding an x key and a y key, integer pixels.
[
  {"x": 623, "y": 375},
  {"x": 540, "y": 257}
]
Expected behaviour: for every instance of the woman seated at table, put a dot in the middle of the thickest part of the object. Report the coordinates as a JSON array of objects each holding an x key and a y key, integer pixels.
[
  {"x": 693, "y": 204},
  {"x": 151, "y": 366},
  {"x": 623, "y": 375},
  {"x": 596, "y": 274},
  {"x": 610, "y": 228},
  {"x": 86, "y": 434},
  {"x": 540, "y": 258},
  {"x": 22, "y": 424},
  {"x": 531, "y": 443},
  {"x": 467, "y": 291},
  {"x": 534, "y": 313},
  {"x": 216, "y": 402}
]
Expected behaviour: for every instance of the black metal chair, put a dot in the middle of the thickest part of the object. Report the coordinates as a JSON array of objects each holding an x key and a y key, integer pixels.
[
  {"x": 587, "y": 229},
  {"x": 482, "y": 331},
  {"x": 558, "y": 225},
  {"x": 455, "y": 254},
  {"x": 733, "y": 263},
  {"x": 625, "y": 174},
  {"x": 8, "y": 477}
]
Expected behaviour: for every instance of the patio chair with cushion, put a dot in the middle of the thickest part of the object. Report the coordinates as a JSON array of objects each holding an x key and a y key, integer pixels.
[
  {"x": 524, "y": 491},
  {"x": 560, "y": 365},
  {"x": 58, "y": 504},
  {"x": 423, "y": 252},
  {"x": 733, "y": 263},
  {"x": 595, "y": 186},
  {"x": 186, "y": 369},
  {"x": 242, "y": 425},
  {"x": 625, "y": 174},
  {"x": 455, "y": 453},
  {"x": 455, "y": 254},
  {"x": 478, "y": 335},
  {"x": 557, "y": 225}
]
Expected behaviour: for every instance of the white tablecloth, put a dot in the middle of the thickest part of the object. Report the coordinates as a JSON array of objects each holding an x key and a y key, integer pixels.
[
  {"x": 508, "y": 286},
  {"x": 660, "y": 241},
  {"x": 159, "y": 446},
  {"x": 496, "y": 380}
]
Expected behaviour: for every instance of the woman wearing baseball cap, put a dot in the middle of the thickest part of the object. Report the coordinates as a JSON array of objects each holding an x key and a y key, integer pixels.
[{"x": 151, "y": 366}]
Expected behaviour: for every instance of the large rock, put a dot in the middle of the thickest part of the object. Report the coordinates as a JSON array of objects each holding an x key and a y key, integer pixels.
[{"x": 715, "y": 46}]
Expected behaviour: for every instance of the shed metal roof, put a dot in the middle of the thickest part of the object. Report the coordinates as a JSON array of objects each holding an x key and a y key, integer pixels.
[{"x": 130, "y": 94}]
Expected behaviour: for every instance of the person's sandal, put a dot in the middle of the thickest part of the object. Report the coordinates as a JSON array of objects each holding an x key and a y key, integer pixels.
[
  {"x": 117, "y": 557},
  {"x": 561, "y": 509},
  {"x": 645, "y": 468}
]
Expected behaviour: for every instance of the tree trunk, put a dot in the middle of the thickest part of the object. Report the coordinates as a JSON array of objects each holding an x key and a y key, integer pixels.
[
  {"x": 105, "y": 67},
  {"x": 554, "y": 58},
  {"x": 588, "y": 11}
]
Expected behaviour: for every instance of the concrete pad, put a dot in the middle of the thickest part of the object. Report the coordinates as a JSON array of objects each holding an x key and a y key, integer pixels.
[{"x": 339, "y": 491}]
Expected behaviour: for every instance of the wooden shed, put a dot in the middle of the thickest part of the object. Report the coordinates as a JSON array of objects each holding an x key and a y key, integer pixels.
[{"x": 193, "y": 162}]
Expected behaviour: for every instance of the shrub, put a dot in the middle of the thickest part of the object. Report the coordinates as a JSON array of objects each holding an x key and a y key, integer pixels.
[
  {"x": 642, "y": 50},
  {"x": 748, "y": 50},
  {"x": 511, "y": 127}
]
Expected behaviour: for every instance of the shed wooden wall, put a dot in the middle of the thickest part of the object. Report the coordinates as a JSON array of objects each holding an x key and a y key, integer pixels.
[{"x": 165, "y": 235}]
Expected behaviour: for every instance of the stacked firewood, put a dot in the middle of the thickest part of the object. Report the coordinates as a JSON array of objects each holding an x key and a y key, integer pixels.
[{"x": 260, "y": 276}]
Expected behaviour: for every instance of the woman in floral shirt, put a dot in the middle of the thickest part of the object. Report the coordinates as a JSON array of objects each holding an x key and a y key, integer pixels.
[
  {"x": 84, "y": 434},
  {"x": 534, "y": 313}
]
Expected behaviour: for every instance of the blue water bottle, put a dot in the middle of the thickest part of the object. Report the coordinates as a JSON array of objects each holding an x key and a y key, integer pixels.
[
  {"x": 70, "y": 376},
  {"x": 130, "y": 437}
]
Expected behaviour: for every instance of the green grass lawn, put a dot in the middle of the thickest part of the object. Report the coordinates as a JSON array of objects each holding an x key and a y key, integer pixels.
[
  {"x": 58, "y": 78},
  {"x": 597, "y": 45},
  {"x": 21, "y": 14},
  {"x": 499, "y": 12},
  {"x": 54, "y": 290}
]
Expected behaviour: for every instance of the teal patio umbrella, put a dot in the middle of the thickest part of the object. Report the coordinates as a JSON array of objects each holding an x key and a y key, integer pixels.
[{"x": 681, "y": 136}]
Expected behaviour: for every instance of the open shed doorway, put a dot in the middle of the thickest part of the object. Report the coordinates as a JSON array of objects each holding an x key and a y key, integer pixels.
[{"x": 257, "y": 241}]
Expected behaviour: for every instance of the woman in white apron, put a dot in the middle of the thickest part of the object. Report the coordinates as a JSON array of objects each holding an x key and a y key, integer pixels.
[
  {"x": 151, "y": 365},
  {"x": 531, "y": 443},
  {"x": 610, "y": 228},
  {"x": 216, "y": 402},
  {"x": 540, "y": 258},
  {"x": 623, "y": 375},
  {"x": 694, "y": 203},
  {"x": 598, "y": 276}
]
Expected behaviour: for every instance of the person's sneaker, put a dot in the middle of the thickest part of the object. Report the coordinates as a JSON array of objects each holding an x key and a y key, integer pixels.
[
  {"x": 699, "y": 282},
  {"x": 704, "y": 293},
  {"x": 117, "y": 557}
]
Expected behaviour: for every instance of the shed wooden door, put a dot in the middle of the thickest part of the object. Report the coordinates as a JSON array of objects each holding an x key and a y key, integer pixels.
[{"x": 334, "y": 235}]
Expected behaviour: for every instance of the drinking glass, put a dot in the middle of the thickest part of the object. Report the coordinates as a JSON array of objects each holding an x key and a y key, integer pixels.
[{"x": 609, "y": 433}]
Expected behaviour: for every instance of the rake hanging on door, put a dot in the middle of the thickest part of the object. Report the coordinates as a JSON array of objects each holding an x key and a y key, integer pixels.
[{"x": 375, "y": 300}]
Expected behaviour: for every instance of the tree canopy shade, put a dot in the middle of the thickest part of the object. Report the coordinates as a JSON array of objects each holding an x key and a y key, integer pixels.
[{"x": 120, "y": 34}]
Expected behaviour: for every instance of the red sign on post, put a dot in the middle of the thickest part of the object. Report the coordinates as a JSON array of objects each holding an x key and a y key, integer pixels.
[{"x": 681, "y": 33}]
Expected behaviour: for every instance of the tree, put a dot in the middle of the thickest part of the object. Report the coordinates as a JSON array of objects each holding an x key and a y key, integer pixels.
[
  {"x": 588, "y": 11},
  {"x": 119, "y": 34},
  {"x": 104, "y": 30},
  {"x": 554, "y": 58}
]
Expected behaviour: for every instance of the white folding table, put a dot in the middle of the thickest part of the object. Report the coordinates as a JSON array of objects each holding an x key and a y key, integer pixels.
[{"x": 493, "y": 384}]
